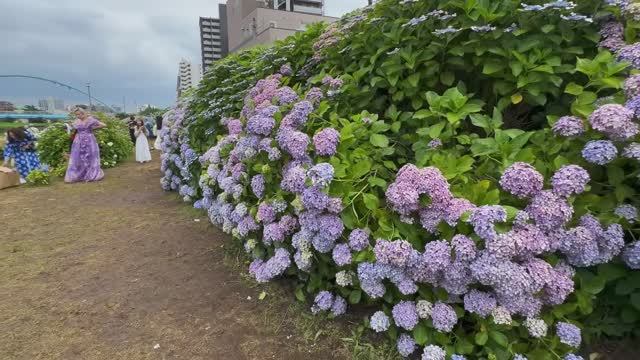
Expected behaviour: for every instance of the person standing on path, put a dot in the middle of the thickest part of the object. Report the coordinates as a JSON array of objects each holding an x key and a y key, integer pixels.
[
  {"x": 158, "y": 143},
  {"x": 84, "y": 162},
  {"x": 142, "y": 144},
  {"x": 132, "y": 128},
  {"x": 22, "y": 148}
]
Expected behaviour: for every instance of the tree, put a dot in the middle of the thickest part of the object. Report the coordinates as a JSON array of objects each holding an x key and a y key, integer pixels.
[{"x": 29, "y": 108}]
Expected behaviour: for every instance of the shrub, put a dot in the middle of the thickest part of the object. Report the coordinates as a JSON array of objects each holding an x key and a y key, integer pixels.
[
  {"x": 113, "y": 140},
  {"x": 38, "y": 177},
  {"x": 469, "y": 167}
]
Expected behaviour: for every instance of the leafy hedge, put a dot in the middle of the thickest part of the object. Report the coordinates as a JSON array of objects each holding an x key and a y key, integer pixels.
[
  {"x": 113, "y": 140},
  {"x": 487, "y": 146}
]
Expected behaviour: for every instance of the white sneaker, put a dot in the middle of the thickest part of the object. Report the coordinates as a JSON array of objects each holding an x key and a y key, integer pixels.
[{"x": 22, "y": 181}]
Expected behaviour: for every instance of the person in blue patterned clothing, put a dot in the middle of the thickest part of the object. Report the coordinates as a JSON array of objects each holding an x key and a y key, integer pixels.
[{"x": 22, "y": 148}]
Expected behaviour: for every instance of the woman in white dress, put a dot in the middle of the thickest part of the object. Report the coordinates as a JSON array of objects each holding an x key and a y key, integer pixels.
[
  {"x": 158, "y": 143},
  {"x": 142, "y": 144}
]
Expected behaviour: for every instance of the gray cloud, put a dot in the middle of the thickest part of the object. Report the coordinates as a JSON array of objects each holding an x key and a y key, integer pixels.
[{"x": 123, "y": 47}]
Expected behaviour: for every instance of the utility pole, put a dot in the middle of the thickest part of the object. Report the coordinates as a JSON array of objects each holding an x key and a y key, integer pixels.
[
  {"x": 89, "y": 92},
  {"x": 124, "y": 104}
]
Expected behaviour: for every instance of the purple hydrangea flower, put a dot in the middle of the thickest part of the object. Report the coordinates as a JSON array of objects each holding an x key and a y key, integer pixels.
[
  {"x": 286, "y": 70},
  {"x": 234, "y": 126},
  {"x": 321, "y": 174},
  {"x": 521, "y": 180},
  {"x": 628, "y": 212},
  {"x": 405, "y": 345},
  {"x": 275, "y": 266},
  {"x": 405, "y": 315},
  {"x": 433, "y": 352},
  {"x": 322, "y": 302},
  {"x": 313, "y": 198},
  {"x": 339, "y": 306},
  {"x": 326, "y": 141},
  {"x": 342, "y": 254},
  {"x": 334, "y": 206},
  {"x": 632, "y": 151},
  {"x": 483, "y": 218},
  {"x": 569, "y": 334},
  {"x": 286, "y": 95},
  {"x": 631, "y": 255},
  {"x": 549, "y": 211},
  {"x": 434, "y": 144},
  {"x": 293, "y": 180},
  {"x": 266, "y": 214},
  {"x": 444, "y": 317},
  {"x": 260, "y": 124},
  {"x": 572, "y": 357},
  {"x": 464, "y": 248},
  {"x": 314, "y": 95},
  {"x": 570, "y": 180},
  {"x": 568, "y": 126},
  {"x": 358, "y": 239},
  {"x": 634, "y": 106},
  {"x": 397, "y": 253},
  {"x": 615, "y": 121},
  {"x": 379, "y": 322},
  {"x": 612, "y": 34},
  {"x": 257, "y": 186},
  {"x": 630, "y": 54},
  {"x": 479, "y": 302},
  {"x": 632, "y": 86},
  {"x": 294, "y": 142},
  {"x": 599, "y": 152}
]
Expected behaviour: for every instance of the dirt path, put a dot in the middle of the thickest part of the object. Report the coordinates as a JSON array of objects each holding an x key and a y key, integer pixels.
[{"x": 111, "y": 270}]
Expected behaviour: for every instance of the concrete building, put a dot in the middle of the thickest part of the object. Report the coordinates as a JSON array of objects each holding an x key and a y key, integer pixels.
[
  {"x": 254, "y": 22},
  {"x": 51, "y": 105},
  {"x": 189, "y": 75},
  {"x": 211, "y": 41}
]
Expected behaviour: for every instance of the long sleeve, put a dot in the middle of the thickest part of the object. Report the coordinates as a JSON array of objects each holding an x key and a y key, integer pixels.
[{"x": 9, "y": 151}]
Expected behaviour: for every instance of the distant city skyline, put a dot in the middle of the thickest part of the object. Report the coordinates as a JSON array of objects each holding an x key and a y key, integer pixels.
[{"x": 123, "y": 48}]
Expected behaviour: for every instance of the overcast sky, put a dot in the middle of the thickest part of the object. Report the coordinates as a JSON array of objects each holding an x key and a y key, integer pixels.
[{"x": 125, "y": 48}]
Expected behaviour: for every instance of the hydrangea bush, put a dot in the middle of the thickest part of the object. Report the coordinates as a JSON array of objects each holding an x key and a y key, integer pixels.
[{"x": 468, "y": 168}]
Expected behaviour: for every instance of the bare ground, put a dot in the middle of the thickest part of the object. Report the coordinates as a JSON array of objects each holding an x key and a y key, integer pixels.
[{"x": 120, "y": 269}]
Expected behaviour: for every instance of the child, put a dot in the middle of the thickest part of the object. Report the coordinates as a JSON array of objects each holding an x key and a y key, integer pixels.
[{"x": 142, "y": 144}]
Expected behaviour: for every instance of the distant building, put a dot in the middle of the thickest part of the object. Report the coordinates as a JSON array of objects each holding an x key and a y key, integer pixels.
[
  {"x": 6, "y": 106},
  {"x": 211, "y": 41},
  {"x": 51, "y": 105},
  {"x": 252, "y": 22},
  {"x": 189, "y": 75}
]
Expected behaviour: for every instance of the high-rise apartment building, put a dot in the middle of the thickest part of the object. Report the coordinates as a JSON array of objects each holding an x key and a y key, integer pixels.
[
  {"x": 211, "y": 41},
  {"x": 189, "y": 75}
]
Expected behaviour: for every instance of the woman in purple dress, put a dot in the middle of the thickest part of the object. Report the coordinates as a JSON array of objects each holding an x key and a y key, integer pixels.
[{"x": 84, "y": 162}]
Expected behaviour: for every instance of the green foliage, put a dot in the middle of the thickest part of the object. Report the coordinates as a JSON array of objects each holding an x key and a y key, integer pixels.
[
  {"x": 488, "y": 98},
  {"x": 38, "y": 177}
]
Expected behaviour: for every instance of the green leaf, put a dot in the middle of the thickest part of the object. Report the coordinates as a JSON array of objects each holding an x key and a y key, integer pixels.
[
  {"x": 379, "y": 140},
  {"x": 420, "y": 334},
  {"x": 492, "y": 67},
  {"x": 413, "y": 79},
  {"x": 376, "y": 181},
  {"x": 481, "y": 338},
  {"x": 573, "y": 89},
  {"x": 360, "y": 168},
  {"x": 372, "y": 202},
  {"x": 355, "y": 296},
  {"x": 435, "y": 130},
  {"x": 447, "y": 78},
  {"x": 593, "y": 284},
  {"x": 422, "y": 114},
  {"x": 262, "y": 295},
  {"x": 300, "y": 295},
  {"x": 615, "y": 174},
  {"x": 500, "y": 338}
]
